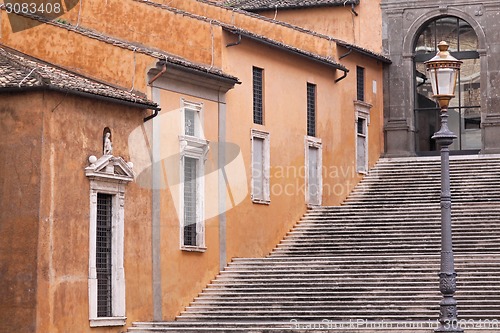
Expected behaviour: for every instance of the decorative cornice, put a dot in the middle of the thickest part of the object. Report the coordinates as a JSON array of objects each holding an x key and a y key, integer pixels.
[{"x": 110, "y": 168}]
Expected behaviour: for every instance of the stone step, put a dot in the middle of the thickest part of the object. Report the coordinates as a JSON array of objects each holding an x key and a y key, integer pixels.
[
  {"x": 464, "y": 298},
  {"x": 389, "y": 243},
  {"x": 248, "y": 273},
  {"x": 402, "y": 276},
  {"x": 417, "y": 260},
  {"x": 389, "y": 221},
  {"x": 362, "y": 313},
  {"x": 413, "y": 208},
  {"x": 327, "y": 234},
  {"x": 360, "y": 251},
  {"x": 324, "y": 325},
  {"x": 422, "y": 285}
]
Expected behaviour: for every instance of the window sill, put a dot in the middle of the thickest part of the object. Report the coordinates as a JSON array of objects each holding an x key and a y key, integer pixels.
[
  {"x": 261, "y": 201},
  {"x": 193, "y": 248},
  {"x": 363, "y": 104},
  {"x": 313, "y": 205},
  {"x": 194, "y": 141},
  {"x": 108, "y": 321}
]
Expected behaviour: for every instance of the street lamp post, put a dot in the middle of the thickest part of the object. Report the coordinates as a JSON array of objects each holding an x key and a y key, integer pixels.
[{"x": 443, "y": 70}]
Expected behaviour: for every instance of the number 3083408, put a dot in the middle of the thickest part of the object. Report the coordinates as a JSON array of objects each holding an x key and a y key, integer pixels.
[{"x": 33, "y": 8}]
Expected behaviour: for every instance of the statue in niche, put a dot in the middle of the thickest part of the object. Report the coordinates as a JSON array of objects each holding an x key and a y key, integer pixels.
[{"x": 108, "y": 145}]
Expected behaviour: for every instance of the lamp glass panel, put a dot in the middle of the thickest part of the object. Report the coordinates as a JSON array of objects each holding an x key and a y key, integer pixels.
[{"x": 443, "y": 80}]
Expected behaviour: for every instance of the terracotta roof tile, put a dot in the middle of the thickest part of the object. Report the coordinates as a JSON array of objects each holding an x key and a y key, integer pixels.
[
  {"x": 20, "y": 71},
  {"x": 257, "y": 5}
]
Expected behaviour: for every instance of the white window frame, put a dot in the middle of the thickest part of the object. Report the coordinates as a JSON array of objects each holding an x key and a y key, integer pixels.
[
  {"x": 108, "y": 175},
  {"x": 197, "y": 107},
  {"x": 266, "y": 161},
  {"x": 315, "y": 142},
  {"x": 195, "y": 147},
  {"x": 362, "y": 111}
]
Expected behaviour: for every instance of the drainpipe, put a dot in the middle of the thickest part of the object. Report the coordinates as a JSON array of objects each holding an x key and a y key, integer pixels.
[
  {"x": 345, "y": 55},
  {"x": 156, "y": 110},
  {"x": 155, "y": 113},
  {"x": 163, "y": 70},
  {"x": 345, "y": 72},
  {"x": 238, "y": 42},
  {"x": 342, "y": 77},
  {"x": 352, "y": 9}
]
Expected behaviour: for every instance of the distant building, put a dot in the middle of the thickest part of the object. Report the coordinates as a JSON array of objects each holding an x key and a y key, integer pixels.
[{"x": 411, "y": 33}]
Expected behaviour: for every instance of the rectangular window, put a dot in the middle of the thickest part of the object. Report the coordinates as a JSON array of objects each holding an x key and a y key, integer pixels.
[
  {"x": 313, "y": 165},
  {"x": 190, "y": 201},
  {"x": 193, "y": 150},
  {"x": 260, "y": 167},
  {"x": 189, "y": 121},
  {"x": 311, "y": 109},
  {"x": 106, "y": 279},
  {"x": 362, "y": 147},
  {"x": 192, "y": 119},
  {"x": 258, "y": 108},
  {"x": 103, "y": 254},
  {"x": 361, "y": 126},
  {"x": 360, "y": 83}
]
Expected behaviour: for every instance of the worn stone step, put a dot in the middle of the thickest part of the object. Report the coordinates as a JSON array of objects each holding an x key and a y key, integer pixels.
[{"x": 324, "y": 325}]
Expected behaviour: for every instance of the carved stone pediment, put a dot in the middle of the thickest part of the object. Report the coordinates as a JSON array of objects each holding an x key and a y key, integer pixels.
[{"x": 111, "y": 168}]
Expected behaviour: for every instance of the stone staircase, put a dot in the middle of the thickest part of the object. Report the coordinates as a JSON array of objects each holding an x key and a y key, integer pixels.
[{"x": 369, "y": 265}]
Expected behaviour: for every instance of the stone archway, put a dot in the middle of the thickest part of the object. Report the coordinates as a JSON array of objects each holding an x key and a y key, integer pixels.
[
  {"x": 465, "y": 108},
  {"x": 402, "y": 25}
]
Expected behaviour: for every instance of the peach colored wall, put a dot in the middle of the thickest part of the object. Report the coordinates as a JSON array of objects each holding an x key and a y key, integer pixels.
[
  {"x": 79, "y": 53},
  {"x": 72, "y": 133},
  {"x": 20, "y": 156},
  {"x": 184, "y": 273},
  {"x": 259, "y": 26},
  {"x": 165, "y": 26},
  {"x": 339, "y": 22},
  {"x": 71, "y": 130},
  {"x": 285, "y": 79},
  {"x": 373, "y": 96},
  {"x": 149, "y": 25}
]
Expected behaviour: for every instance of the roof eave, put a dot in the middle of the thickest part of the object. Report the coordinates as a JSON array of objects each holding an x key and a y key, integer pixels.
[
  {"x": 266, "y": 8},
  {"x": 218, "y": 77},
  {"x": 367, "y": 53},
  {"x": 300, "y": 53},
  {"x": 137, "y": 104}
]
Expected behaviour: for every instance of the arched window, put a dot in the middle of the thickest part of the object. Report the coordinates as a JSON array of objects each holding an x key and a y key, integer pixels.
[{"x": 465, "y": 108}]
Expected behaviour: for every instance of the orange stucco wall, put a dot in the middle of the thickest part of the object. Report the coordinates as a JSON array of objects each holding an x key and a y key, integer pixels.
[
  {"x": 184, "y": 273},
  {"x": 72, "y": 50},
  {"x": 164, "y": 26},
  {"x": 285, "y": 79},
  {"x": 20, "y": 172},
  {"x": 339, "y": 22},
  {"x": 55, "y": 210}
]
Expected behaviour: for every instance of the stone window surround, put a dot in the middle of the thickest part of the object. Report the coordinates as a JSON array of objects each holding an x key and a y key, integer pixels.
[
  {"x": 194, "y": 147},
  {"x": 316, "y": 143},
  {"x": 108, "y": 175},
  {"x": 266, "y": 136},
  {"x": 362, "y": 110}
]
